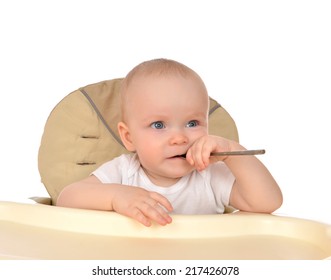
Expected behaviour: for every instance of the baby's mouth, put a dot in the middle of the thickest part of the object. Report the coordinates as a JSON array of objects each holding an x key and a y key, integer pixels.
[{"x": 179, "y": 156}]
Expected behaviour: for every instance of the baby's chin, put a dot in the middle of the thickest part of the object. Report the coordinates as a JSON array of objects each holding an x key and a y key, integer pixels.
[{"x": 177, "y": 174}]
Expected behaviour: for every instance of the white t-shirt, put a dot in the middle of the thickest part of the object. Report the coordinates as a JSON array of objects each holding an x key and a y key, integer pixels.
[{"x": 205, "y": 192}]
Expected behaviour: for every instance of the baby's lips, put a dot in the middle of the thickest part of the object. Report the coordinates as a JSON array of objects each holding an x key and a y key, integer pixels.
[{"x": 179, "y": 155}]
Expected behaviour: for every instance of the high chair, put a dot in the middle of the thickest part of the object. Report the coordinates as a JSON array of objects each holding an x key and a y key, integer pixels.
[{"x": 81, "y": 134}]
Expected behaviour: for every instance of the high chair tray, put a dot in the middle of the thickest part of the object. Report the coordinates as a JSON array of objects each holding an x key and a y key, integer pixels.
[{"x": 46, "y": 232}]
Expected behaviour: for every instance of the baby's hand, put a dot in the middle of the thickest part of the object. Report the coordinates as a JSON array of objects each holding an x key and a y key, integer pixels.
[
  {"x": 198, "y": 155},
  {"x": 142, "y": 205}
]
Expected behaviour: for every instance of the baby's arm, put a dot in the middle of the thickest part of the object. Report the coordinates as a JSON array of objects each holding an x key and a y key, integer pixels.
[
  {"x": 134, "y": 202},
  {"x": 254, "y": 189}
]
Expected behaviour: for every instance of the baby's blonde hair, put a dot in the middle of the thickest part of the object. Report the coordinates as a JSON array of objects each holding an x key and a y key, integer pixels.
[{"x": 158, "y": 67}]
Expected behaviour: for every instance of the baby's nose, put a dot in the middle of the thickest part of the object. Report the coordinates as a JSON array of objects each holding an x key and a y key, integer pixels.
[{"x": 178, "y": 138}]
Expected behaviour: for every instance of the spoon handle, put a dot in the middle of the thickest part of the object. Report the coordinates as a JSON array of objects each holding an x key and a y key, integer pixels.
[{"x": 239, "y": 153}]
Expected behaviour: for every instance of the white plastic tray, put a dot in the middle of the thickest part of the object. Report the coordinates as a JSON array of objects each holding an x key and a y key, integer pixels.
[{"x": 48, "y": 232}]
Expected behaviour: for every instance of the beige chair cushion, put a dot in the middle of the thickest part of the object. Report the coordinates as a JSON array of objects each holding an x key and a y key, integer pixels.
[{"x": 81, "y": 134}]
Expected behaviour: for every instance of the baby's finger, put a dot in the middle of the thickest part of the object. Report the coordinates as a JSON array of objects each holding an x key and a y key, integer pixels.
[
  {"x": 160, "y": 216},
  {"x": 189, "y": 157},
  {"x": 155, "y": 213},
  {"x": 163, "y": 206},
  {"x": 137, "y": 215},
  {"x": 205, "y": 155},
  {"x": 199, "y": 155},
  {"x": 146, "y": 213},
  {"x": 161, "y": 200}
]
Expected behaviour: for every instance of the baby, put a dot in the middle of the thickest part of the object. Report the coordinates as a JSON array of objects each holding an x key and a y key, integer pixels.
[{"x": 165, "y": 115}]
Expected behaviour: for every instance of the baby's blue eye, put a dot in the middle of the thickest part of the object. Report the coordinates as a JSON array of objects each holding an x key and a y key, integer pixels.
[
  {"x": 158, "y": 125},
  {"x": 192, "y": 124}
]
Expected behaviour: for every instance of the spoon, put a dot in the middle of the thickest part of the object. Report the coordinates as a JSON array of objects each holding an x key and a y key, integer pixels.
[{"x": 236, "y": 153}]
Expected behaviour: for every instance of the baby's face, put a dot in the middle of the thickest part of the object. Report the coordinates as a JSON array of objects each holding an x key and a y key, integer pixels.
[{"x": 165, "y": 115}]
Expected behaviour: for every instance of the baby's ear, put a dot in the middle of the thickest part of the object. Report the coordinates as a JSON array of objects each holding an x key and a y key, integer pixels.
[{"x": 125, "y": 136}]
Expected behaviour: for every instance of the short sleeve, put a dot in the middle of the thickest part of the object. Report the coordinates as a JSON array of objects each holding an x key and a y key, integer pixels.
[{"x": 112, "y": 171}]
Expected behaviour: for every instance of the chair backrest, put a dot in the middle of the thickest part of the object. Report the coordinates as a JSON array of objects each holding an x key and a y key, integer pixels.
[{"x": 81, "y": 133}]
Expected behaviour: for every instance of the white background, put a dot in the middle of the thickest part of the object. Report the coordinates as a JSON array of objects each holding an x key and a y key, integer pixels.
[{"x": 267, "y": 62}]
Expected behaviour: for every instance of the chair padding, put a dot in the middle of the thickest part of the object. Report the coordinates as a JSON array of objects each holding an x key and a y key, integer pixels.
[{"x": 81, "y": 133}]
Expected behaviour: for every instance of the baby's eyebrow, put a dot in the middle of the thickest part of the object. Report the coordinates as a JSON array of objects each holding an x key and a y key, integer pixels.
[
  {"x": 159, "y": 116},
  {"x": 197, "y": 115},
  {"x": 153, "y": 118},
  {"x": 189, "y": 116}
]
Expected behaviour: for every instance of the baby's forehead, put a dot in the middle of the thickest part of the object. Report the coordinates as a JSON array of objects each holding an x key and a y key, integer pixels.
[
  {"x": 163, "y": 87},
  {"x": 164, "y": 92},
  {"x": 165, "y": 80}
]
